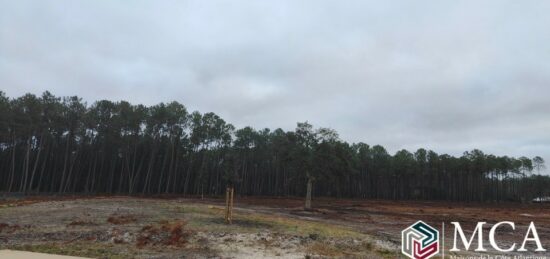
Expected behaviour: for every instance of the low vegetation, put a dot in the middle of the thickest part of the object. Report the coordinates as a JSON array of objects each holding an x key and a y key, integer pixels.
[{"x": 164, "y": 228}]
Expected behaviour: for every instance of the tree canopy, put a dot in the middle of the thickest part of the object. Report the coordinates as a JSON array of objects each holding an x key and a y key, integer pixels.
[{"x": 52, "y": 144}]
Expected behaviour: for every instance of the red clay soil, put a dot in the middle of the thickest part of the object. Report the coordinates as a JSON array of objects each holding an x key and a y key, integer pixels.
[
  {"x": 121, "y": 219},
  {"x": 168, "y": 233}
]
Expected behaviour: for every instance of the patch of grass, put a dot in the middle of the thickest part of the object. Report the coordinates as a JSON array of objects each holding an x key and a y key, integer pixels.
[
  {"x": 74, "y": 249},
  {"x": 324, "y": 239},
  {"x": 217, "y": 224},
  {"x": 202, "y": 209},
  {"x": 191, "y": 208},
  {"x": 302, "y": 227},
  {"x": 210, "y": 218}
]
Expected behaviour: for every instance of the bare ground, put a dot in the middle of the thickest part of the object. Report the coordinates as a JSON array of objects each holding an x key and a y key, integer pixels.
[
  {"x": 127, "y": 227},
  {"x": 130, "y": 227}
]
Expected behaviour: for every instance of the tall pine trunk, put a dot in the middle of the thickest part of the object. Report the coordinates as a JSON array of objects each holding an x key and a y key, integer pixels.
[
  {"x": 36, "y": 162},
  {"x": 61, "y": 184}
]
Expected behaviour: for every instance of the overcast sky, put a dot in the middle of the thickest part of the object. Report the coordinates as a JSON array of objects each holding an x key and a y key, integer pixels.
[{"x": 446, "y": 75}]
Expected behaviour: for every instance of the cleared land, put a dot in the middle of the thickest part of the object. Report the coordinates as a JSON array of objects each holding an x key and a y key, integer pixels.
[{"x": 130, "y": 227}]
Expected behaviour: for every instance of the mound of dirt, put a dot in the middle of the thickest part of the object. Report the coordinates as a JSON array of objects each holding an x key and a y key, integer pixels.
[
  {"x": 121, "y": 219},
  {"x": 167, "y": 233}
]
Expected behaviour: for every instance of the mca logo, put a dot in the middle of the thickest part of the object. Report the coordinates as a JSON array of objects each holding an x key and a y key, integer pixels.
[{"x": 420, "y": 241}]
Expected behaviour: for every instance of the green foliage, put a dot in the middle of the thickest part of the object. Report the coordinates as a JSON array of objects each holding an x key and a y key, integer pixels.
[{"x": 52, "y": 144}]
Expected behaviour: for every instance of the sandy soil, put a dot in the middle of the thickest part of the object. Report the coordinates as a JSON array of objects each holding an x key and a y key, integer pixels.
[{"x": 130, "y": 227}]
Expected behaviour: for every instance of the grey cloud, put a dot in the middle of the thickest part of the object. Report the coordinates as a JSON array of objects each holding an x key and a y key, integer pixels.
[{"x": 450, "y": 76}]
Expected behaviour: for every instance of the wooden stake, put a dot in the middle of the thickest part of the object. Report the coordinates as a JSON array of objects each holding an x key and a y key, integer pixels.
[
  {"x": 226, "y": 205},
  {"x": 229, "y": 193}
]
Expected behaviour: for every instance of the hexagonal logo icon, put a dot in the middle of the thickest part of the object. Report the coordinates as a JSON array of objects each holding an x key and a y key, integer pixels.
[{"x": 420, "y": 241}]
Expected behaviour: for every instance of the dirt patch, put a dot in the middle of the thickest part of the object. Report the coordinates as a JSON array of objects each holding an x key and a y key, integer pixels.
[
  {"x": 167, "y": 234},
  {"x": 127, "y": 227},
  {"x": 9, "y": 228},
  {"x": 121, "y": 219},
  {"x": 105, "y": 227}
]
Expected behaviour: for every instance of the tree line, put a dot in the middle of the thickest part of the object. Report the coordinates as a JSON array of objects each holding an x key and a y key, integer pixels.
[{"x": 52, "y": 144}]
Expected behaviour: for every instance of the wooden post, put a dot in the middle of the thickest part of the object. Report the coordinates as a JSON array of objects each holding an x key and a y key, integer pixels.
[
  {"x": 227, "y": 205},
  {"x": 229, "y": 194}
]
